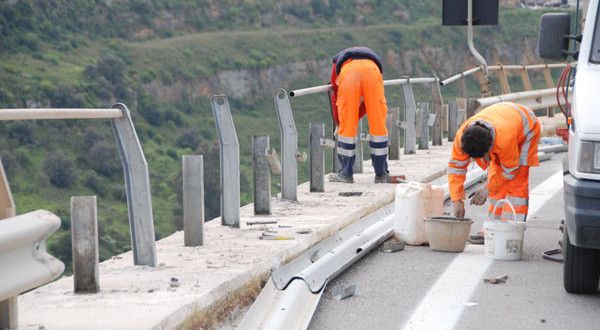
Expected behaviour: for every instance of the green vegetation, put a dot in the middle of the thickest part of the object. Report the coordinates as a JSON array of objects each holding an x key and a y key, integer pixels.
[{"x": 163, "y": 58}]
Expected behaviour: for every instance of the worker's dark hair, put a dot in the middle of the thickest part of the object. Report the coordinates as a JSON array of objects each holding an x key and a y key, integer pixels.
[{"x": 476, "y": 140}]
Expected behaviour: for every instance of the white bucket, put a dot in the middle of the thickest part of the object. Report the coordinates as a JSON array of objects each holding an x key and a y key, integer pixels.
[
  {"x": 504, "y": 239},
  {"x": 415, "y": 202}
]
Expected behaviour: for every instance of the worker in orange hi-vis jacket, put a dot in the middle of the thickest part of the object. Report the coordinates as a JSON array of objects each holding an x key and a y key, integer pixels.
[
  {"x": 357, "y": 80},
  {"x": 502, "y": 138}
]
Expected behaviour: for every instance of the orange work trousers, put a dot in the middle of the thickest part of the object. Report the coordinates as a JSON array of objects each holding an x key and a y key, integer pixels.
[
  {"x": 515, "y": 190},
  {"x": 361, "y": 79}
]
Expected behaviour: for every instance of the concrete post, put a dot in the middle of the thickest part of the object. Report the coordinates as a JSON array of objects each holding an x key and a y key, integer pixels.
[
  {"x": 230, "y": 161},
  {"x": 410, "y": 109},
  {"x": 452, "y": 119},
  {"x": 471, "y": 107},
  {"x": 137, "y": 186},
  {"x": 358, "y": 160},
  {"x": 9, "y": 316},
  {"x": 393, "y": 133},
  {"x": 193, "y": 200},
  {"x": 84, "y": 241},
  {"x": 289, "y": 146},
  {"x": 424, "y": 138},
  {"x": 262, "y": 175},
  {"x": 438, "y": 109},
  {"x": 317, "y": 158}
]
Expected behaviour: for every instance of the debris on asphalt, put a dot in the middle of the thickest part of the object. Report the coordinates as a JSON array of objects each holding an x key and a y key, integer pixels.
[
  {"x": 174, "y": 282},
  {"x": 342, "y": 291},
  {"x": 350, "y": 193},
  {"x": 285, "y": 226},
  {"x": 252, "y": 223},
  {"x": 392, "y": 245},
  {"x": 304, "y": 231},
  {"x": 269, "y": 237},
  {"x": 495, "y": 280}
]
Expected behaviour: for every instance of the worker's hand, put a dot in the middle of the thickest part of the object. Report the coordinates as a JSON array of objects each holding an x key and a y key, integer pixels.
[
  {"x": 480, "y": 196},
  {"x": 459, "y": 209},
  {"x": 335, "y": 132}
]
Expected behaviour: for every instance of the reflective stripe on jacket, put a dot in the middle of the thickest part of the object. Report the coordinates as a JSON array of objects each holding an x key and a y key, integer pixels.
[{"x": 515, "y": 133}]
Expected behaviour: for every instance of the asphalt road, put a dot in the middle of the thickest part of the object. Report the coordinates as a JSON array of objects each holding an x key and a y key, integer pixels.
[{"x": 421, "y": 289}]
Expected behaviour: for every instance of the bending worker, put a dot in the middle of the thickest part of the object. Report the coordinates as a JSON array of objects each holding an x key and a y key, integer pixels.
[
  {"x": 502, "y": 138},
  {"x": 357, "y": 79}
]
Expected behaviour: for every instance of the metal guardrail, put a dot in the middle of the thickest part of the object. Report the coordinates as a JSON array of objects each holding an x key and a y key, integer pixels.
[
  {"x": 537, "y": 99},
  {"x": 494, "y": 68},
  {"x": 24, "y": 262},
  {"x": 135, "y": 167},
  {"x": 230, "y": 161}
]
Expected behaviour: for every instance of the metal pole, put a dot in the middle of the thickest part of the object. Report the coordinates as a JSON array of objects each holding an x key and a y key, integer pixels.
[
  {"x": 230, "y": 161},
  {"x": 84, "y": 242},
  {"x": 262, "y": 175},
  {"x": 410, "y": 109},
  {"x": 317, "y": 158},
  {"x": 393, "y": 133},
  {"x": 358, "y": 160},
  {"x": 470, "y": 36},
  {"x": 193, "y": 200},
  {"x": 137, "y": 186},
  {"x": 289, "y": 146},
  {"x": 438, "y": 109},
  {"x": 452, "y": 119},
  {"x": 424, "y": 138}
]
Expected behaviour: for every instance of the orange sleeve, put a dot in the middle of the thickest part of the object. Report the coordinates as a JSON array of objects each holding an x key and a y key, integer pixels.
[
  {"x": 457, "y": 170},
  {"x": 333, "y": 96}
]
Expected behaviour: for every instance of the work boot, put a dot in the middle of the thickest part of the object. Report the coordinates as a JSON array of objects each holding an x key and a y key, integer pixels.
[
  {"x": 337, "y": 177},
  {"x": 477, "y": 238},
  {"x": 382, "y": 178}
]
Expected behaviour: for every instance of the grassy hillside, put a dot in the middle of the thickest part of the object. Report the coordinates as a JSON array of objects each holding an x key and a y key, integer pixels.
[{"x": 163, "y": 59}]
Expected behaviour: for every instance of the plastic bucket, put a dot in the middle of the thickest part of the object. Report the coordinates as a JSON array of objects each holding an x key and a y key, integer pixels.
[
  {"x": 447, "y": 234},
  {"x": 504, "y": 239}
]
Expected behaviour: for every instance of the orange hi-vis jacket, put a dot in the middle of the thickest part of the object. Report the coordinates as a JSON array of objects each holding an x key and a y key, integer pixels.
[{"x": 515, "y": 133}]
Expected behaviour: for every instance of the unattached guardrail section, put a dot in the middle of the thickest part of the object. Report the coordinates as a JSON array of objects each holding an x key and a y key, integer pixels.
[{"x": 24, "y": 262}]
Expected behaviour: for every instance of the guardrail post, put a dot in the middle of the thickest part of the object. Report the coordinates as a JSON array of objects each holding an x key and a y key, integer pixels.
[
  {"x": 503, "y": 79},
  {"x": 289, "y": 146},
  {"x": 438, "y": 110},
  {"x": 84, "y": 242},
  {"x": 452, "y": 119},
  {"x": 549, "y": 84},
  {"x": 7, "y": 204},
  {"x": 262, "y": 174},
  {"x": 9, "y": 316},
  {"x": 193, "y": 200},
  {"x": 424, "y": 137},
  {"x": 317, "y": 160},
  {"x": 445, "y": 120},
  {"x": 358, "y": 160},
  {"x": 525, "y": 79},
  {"x": 393, "y": 136},
  {"x": 230, "y": 161},
  {"x": 410, "y": 109},
  {"x": 137, "y": 187}
]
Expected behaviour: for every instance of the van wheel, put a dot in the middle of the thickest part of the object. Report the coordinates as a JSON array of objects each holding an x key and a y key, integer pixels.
[{"x": 580, "y": 268}]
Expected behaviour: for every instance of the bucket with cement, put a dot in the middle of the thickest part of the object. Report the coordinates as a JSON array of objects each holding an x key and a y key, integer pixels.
[
  {"x": 503, "y": 240},
  {"x": 448, "y": 234}
]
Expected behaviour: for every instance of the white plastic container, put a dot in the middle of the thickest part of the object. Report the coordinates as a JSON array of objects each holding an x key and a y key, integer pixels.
[
  {"x": 415, "y": 202},
  {"x": 503, "y": 240}
]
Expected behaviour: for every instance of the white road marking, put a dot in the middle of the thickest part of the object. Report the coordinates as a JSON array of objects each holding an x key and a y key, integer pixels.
[{"x": 444, "y": 304}]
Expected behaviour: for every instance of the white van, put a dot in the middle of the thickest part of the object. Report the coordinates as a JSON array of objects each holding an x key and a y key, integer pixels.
[{"x": 581, "y": 242}]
